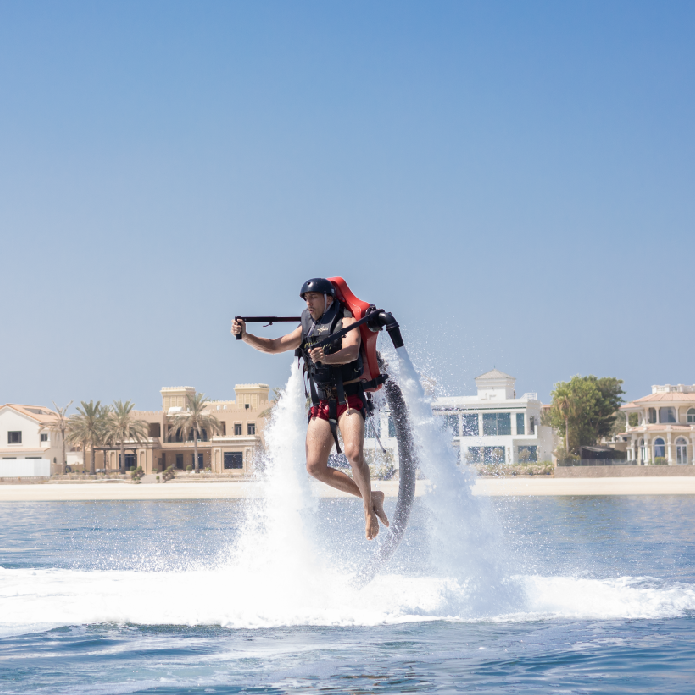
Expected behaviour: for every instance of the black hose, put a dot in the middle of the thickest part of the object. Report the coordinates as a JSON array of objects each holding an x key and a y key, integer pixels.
[{"x": 407, "y": 474}]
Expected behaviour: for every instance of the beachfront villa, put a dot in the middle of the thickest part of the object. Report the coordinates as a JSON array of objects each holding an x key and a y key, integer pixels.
[
  {"x": 27, "y": 446},
  {"x": 232, "y": 452},
  {"x": 495, "y": 426},
  {"x": 661, "y": 426}
]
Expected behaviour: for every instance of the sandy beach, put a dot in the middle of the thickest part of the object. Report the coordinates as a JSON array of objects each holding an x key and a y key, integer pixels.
[{"x": 76, "y": 492}]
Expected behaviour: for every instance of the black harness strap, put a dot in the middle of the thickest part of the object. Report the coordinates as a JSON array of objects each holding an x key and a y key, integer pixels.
[
  {"x": 339, "y": 389},
  {"x": 333, "y": 422}
]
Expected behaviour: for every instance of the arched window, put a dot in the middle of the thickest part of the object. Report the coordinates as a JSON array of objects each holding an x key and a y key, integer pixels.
[
  {"x": 642, "y": 451},
  {"x": 681, "y": 450},
  {"x": 659, "y": 448},
  {"x": 691, "y": 415}
]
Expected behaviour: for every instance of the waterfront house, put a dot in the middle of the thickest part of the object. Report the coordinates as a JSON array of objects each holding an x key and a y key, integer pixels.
[
  {"x": 24, "y": 436},
  {"x": 495, "y": 426},
  {"x": 660, "y": 427},
  {"x": 233, "y": 452}
]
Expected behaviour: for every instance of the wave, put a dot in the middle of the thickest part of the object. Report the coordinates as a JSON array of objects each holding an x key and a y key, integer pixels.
[{"x": 31, "y": 600}]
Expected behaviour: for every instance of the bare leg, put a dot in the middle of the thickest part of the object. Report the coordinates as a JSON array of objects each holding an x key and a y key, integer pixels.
[
  {"x": 352, "y": 429},
  {"x": 378, "y": 506},
  {"x": 319, "y": 442}
]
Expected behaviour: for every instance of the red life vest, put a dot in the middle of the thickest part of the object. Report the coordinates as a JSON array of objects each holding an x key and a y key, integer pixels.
[{"x": 369, "y": 337}]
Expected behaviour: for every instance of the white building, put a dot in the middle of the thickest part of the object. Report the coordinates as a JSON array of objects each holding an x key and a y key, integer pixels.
[
  {"x": 663, "y": 426},
  {"x": 495, "y": 426},
  {"x": 24, "y": 435}
]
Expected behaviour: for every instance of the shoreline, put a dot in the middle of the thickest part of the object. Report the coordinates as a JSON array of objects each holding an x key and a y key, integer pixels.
[{"x": 489, "y": 487}]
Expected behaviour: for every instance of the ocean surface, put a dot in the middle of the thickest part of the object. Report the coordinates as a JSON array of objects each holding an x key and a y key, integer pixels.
[{"x": 568, "y": 595}]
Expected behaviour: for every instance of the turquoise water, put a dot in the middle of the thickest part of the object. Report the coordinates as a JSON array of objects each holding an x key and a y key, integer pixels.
[{"x": 145, "y": 597}]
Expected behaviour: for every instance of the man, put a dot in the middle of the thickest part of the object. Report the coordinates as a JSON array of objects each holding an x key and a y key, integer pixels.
[{"x": 334, "y": 377}]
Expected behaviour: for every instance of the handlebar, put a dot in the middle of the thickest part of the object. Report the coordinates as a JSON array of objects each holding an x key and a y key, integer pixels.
[{"x": 268, "y": 320}]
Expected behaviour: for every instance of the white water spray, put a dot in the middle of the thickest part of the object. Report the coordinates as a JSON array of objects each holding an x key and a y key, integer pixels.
[
  {"x": 465, "y": 543},
  {"x": 278, "y": 531}
]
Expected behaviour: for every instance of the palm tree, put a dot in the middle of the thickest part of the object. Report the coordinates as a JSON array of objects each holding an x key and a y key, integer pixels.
[
  {"x": 197, "y": 419},
  {"x": 88, "y": 428},
  {"x": 565, "y": 406},
  {"x": 61, "y": 425},
  {"x": 120, "y": 426}
]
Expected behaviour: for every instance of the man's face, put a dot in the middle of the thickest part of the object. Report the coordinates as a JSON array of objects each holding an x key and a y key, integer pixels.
[{"x": 315, "y": 304}]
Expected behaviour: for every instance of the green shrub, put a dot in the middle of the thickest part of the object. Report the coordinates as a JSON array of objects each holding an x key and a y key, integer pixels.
[
  {"x": 660, "y": 461},
  {"x": 189, "y": 468},
  {"x": 136, "y": 474},
  {"x": 168, "y": 474}
]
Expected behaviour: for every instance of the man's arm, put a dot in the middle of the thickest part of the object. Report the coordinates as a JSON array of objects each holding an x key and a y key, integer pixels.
[
  {"x": 291, "y": 341},
  {"x": 349, "y": 351}
]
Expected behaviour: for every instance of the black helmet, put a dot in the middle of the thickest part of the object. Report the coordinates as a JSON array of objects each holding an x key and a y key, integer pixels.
[{"x": 319, "y": 285}]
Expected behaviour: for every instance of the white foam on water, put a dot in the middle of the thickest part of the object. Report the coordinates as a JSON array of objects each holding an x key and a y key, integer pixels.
[
  {"x": 37, "y": 599},
  {"x": 622, "y": 597}
]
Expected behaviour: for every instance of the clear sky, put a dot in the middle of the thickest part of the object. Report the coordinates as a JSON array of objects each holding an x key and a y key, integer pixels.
[{"x": 514, "y": 180}]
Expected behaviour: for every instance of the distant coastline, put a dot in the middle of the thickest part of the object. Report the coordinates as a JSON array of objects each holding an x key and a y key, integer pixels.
[{"x": 519, "y": 486}]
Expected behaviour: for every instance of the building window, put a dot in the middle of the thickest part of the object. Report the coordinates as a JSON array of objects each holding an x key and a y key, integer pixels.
[
  {"x": 681, "y": 451},
  {"x": 179, "y": 461},
  {"x": 528, "y": 454},
  {"x": 237, "y": 429},
  {"x": 493, "y": 454},
  {"x": 44, "y": 437},
  {"x": 651, "y": 416},
  {"x": 451, "y": 422},
  {"x": 520, "y": 423},
  {"x": 659, "y": 448},
  {"x": 691, "y": 415},
  {"x": 643, "y": 451},
  {"x": 223, "y": 429},
  {"x": 473, "y": 455},
  {"x": 130, "y": 462},
  {"x": 233, "y": 460},
  {"x": 153, "y": 429},
  {"x": 470, "y": 425},
  {"x": 14, "y": 437},
  {"x": 496, "y": 424},
  {"x": 200, "y": 461},
  {"x": 667, "y": 414},
  {"x": 250, "y": 428}
]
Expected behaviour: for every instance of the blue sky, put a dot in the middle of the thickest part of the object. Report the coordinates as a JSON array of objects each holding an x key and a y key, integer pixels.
[{"x": 513, "y": 180}]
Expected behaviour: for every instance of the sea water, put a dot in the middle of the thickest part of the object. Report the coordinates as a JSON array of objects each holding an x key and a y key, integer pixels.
[{"x": 567, "y": 594}]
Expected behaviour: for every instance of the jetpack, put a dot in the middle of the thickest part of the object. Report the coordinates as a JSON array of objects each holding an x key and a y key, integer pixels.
[{"x": 370, "y": 321}]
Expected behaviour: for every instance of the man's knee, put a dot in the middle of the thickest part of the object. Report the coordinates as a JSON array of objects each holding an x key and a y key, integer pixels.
[
  {"x": 353, "y": 453},
  {"x": 316, "y": 469}
]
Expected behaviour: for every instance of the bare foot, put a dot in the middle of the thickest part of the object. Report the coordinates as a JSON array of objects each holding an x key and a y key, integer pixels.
[
  {"x": 371, "y": 529},
  {"x": 378, "y": 507}
]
